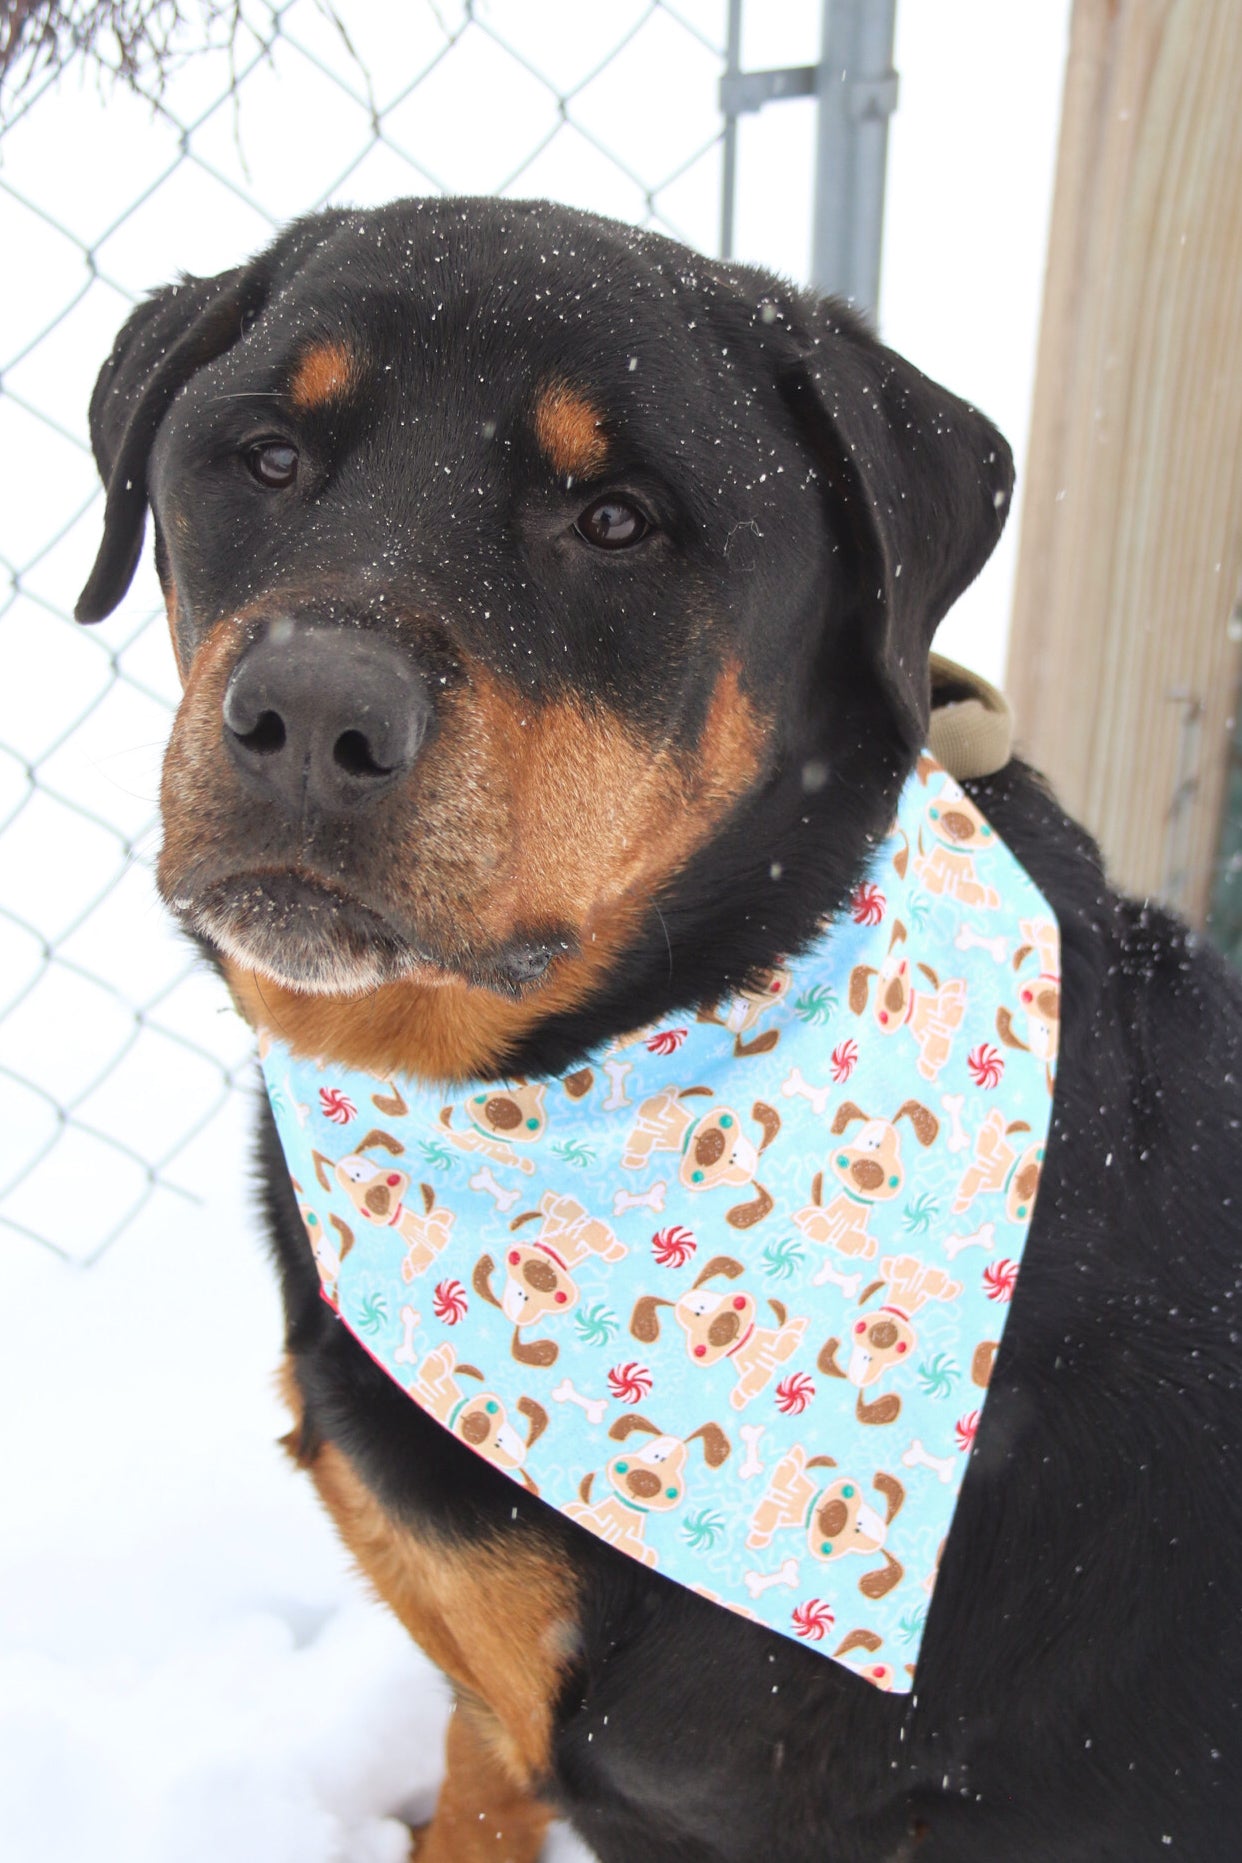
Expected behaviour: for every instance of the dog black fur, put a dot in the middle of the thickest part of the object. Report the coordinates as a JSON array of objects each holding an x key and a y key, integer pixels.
[{"x": 813, "y": 508}]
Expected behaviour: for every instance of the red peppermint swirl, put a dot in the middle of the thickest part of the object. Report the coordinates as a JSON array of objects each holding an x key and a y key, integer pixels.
[
  {"x": 673, "y": 1247},
  {"x": 844, "y": 1060},
  {"x": 867, "y": 904},
  {"x": 665, "y": 1041},
  {"x": 986, "y": 1065},
  {"x": 1000, "y": 1278},
  {"x": 449, "y": 1302},
  {"x": 813, "y": 1619},
  {"x": 336, "y": 1106},
  {"x": 629, "y": 1383},
  {"x": 965, "y": 1430},
  {"x": 794, "y": 1393}
]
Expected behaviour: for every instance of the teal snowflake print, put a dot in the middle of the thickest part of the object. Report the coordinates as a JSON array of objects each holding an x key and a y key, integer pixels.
[
  {"x": 919, "y": 908},
  {"x": 910, "y": 1626},
  {"x": 918, "y": 1217},
  {"x": 938, "y": 1375},
  {"x": 574, "y": 1152},
  {"x": 372, "y": 1313},
  {"x": 783, "y": 1259},
  {"x": 702, "y": 1531},
  {"x": 596, "y": 1325},
  {"x": 436, "y": 1154},
  {"x": 817, "y": 1005}
]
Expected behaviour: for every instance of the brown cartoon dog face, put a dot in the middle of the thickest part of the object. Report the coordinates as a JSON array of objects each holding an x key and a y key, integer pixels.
[
  {"x": 482, "y": 1421},
  {"x": 537, "y": 1283},
  {"x": 877, "y": 1341},
  {"x": 375, "y": 1188},
  {"x": 869, "y": 1165},
  {"x": 714, "y": 1320},
  {"x": 513, "y": 1113},
  {"x": 843, "y": 1521},
  {"x": 717, "y": 1151},
  {"x": 652, "y": 1477},
  {"x": 1041, "y": 999},
  {"x": 894, "y": 985},
  {"x": 1024, "y": 1183},
  {"x": 955, "y": 821}
]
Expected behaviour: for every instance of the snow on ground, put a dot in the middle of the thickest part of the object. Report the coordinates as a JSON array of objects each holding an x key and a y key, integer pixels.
[{"x": 189, "y": 1670}]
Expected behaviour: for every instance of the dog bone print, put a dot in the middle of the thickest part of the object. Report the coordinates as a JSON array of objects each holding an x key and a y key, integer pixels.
[
  {"x": 958, "y": 1138},
  {"x": 968, "y": 940},
  {"x": 797, "y": 1088},
  {"x": 982, "y": 1238},
  {"x": 595, "y": 1407},
  {"x": 616, "y": 1072},
  {"x": 750, "y": 1434},
  {"x": 848, "y": 1283},
  {"x": 917, "y": 1457},
  {"x": 485, "y": 1180},
  {"x": 405, "y": 1353},
  {"x": 652, "y": 1199},
  {"x": 757, "y": 1582}
]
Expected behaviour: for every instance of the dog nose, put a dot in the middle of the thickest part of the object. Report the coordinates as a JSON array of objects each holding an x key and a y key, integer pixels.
[{"x": 320, "y": 714}]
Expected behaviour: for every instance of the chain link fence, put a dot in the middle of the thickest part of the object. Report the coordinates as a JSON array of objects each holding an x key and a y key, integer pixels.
[{"x": 118, "y": 1050}]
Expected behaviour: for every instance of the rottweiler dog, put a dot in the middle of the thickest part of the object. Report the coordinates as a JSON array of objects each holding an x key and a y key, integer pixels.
[{"x": 554, "y": 609}]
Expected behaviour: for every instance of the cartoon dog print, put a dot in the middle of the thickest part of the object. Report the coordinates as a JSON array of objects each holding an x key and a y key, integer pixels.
[
  {"x": 837, "y": 1519},
  {"x": 881, "y": 1674},
  {"x": 998, "y": 1164},
  {"x": 378, "y": 1192},
  {"x": 501, "y": 1117},
  {"x": 869, "y": 1170},
  {"x": 959, "y": 836},
  {"x": 478, "y": 1417},
  {"x": 328, "y": 1258},
  {"x": 646, "y": 1481},
  {"x": 931, "y": 1015},
  {"x": 538, "y": 1284},
  {"x": 747, "y": 1008},
  {"x": 715, "y": 1151},
  {"x": 885, "y": 1337},
  {"x": 720, "y": 1323},
  {"x": 1039, "y": 996}
]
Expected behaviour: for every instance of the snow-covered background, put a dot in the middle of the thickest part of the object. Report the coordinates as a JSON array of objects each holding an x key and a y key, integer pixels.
[{"x": 188, "y": 1670}]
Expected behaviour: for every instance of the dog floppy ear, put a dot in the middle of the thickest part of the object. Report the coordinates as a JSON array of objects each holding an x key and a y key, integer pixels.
[
  {"x": 165, "y": 342},
  {"x": 922, "y": 480}
]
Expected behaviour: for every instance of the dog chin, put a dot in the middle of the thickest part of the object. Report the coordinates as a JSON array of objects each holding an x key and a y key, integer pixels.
[{"x": 301, "y": 936}]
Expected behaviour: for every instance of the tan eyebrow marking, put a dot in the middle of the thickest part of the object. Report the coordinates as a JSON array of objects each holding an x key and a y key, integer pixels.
[
  {"x": 568, "y": 428},
  {"x": 325, "y": 373}
]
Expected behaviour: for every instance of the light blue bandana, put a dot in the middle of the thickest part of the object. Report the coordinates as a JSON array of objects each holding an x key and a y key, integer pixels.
[{"x": 729, "y": 1294}]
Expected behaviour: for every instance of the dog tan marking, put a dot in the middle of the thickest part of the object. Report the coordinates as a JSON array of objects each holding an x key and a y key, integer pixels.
[
  {"x": 482, "y": 1815},
  {"x": 569, "y": 429},
  {"x": 499, "y": 1618},
  {"x": 518, "y": 816},
  {"x": 325, "y": 373}
]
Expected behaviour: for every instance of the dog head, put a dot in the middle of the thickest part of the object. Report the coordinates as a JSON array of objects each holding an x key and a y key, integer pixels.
[
  {"x": 869, "y": 1164},
  {"x": 374, "y": 1186},
  {"x": 513, "y": 1113},
  {"x": 536, "y": 1283},
  {"x": 523, "y": 571},
  {"x": 651, "y": 1477},
  {"x": 714, "y": 1320}
]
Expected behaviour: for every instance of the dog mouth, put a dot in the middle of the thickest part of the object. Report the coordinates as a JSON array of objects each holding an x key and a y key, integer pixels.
[{"x": 312, "y": 937}]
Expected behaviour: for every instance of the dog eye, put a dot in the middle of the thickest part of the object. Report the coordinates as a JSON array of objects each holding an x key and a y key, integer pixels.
[
  {"x": 274, "y": 464},
  {"x": 611, "y": 524}
]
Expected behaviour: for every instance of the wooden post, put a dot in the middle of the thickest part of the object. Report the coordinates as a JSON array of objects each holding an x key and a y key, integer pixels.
[{"x": 1125, "y": 653}]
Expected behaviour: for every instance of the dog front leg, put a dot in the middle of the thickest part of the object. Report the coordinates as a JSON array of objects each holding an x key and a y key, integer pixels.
[{"x": 484, "y": 1811}]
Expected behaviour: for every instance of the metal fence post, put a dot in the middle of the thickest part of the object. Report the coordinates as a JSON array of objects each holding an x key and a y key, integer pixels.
[
  {"x": 857, "y": 94},
  {"x": 856, "y": 87}
]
